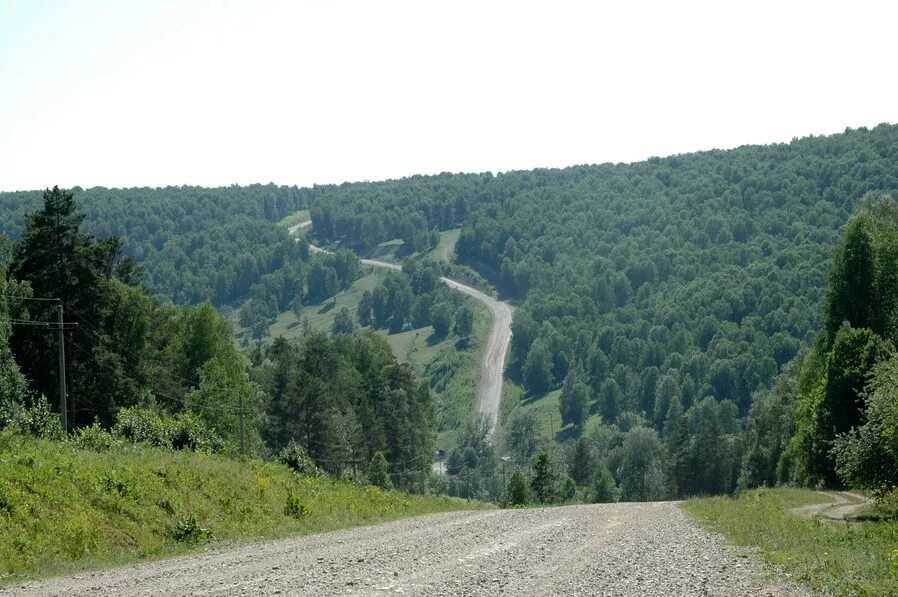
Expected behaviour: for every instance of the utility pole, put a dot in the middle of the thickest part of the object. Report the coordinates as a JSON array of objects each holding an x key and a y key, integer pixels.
[
  {"x": 60, "y": 339},
  {"x": 242, "y": 439},
  {"x": 63, "y": 408}
]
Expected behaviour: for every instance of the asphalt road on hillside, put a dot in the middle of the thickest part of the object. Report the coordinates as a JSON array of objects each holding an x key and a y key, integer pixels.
[
  {"x": 609, "y": 549},
  {"x": 492, "y": 367}
]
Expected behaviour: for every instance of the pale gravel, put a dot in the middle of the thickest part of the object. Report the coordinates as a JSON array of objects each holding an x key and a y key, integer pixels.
[{"x": 624, "y": 550}]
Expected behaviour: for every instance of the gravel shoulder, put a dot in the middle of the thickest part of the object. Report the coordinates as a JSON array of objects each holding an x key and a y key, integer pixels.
[{"x": 612, "y": 549}]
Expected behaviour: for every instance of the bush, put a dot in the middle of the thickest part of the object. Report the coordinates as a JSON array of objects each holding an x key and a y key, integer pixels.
[
  {"x": 604, "y": 488},
  {"x": 296, "y": 457},
  {"x": 95, "y": 439},
  {"x": 189, "y": 431},
  {"x": 6, "y": 506},
  {"x": 38, "y": 420},
  {"x": 868, "y": 457},
  {"x": 187, "y": 530},
  {"x": 518, "y": 491},
  {"x": 378, "y": 474},
  {"x": 152, "y": 428},
  {"x": 295, "y": 507},
  {"x": 142, "y": 426}
]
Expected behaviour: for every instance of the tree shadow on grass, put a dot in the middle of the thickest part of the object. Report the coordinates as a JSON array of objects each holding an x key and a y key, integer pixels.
[{"x": 434, "y": 339}]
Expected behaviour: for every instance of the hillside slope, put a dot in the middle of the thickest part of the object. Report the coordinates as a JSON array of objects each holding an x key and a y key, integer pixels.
[{"x": 63, "y": 508}]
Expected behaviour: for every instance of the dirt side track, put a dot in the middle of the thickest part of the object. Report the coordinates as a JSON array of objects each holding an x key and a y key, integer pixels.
[{"x": 615, "y": 549}]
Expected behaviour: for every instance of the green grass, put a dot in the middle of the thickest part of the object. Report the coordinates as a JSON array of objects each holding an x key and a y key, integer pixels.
[
  {"x": 545, "y": 405},
  {"x": 455, "y": 374},
  {"x": 320, "y": 316},
  {"x": 418, "y": 347},
  {"x": 64, "y": 510},
  {"x": 445, "y": 250},
  {"x": 860, "y": 558},
  {"x": 295, "y": 218},
  {"x": 393, "y": 251}
]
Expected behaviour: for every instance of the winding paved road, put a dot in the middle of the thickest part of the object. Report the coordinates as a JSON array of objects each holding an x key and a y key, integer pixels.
[
  {"x": 489, "y": 386},
  {"x": 624, "y": 550}
]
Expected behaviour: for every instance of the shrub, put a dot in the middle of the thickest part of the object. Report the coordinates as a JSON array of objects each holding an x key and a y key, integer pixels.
[
  {"x": 39, "y": 420},
  {"x": 378, "y": 473},
  {"x": 113, "y": 484},
  {"x": 296, "y": 457},
  {"x": 189, "y": 431},
  {"x": 518, "y": 491},
  {"x": 187, "y": 530},
  {"x": 604, "y": 489},
  {"x": 185, "y": 431},
  {"x": 94, "y": 438},
  {"x": 6, "y": 506},
  {"x": 142, "y": 426},
  {"x": 295, "y": 507}
]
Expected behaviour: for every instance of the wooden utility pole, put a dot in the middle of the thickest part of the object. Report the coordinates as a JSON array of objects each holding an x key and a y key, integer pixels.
[
  {"x": 63, "y": 408},
  {"x": 242, "y": 439}
]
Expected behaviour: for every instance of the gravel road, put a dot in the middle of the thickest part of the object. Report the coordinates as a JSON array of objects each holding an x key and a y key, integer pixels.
[
  {"x": 615, "y": 549},
  {"x": 492, "y": 368}
]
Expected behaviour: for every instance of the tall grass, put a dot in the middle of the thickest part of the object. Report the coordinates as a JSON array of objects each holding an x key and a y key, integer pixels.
[
  {"x": 64, "y": 509},
  {"x": 835, "y": 558}
]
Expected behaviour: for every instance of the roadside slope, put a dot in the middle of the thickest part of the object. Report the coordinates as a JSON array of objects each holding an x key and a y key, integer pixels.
[
  {"x": 64, "y": 508},
  {"x": 609, "y": 549}
]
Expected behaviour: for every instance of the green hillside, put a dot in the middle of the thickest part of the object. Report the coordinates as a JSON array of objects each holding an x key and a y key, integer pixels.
[{"x": 64, "y": 508}]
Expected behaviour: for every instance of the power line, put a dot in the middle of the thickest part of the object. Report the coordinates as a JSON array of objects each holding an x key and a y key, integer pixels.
[
  {"x": 42, "y": 324},
  {"x": 28, "y": 298}
]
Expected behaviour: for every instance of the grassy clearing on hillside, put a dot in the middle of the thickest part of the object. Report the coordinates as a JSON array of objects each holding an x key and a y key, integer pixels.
[
  {"x": 454, "y": 375},
  {"x": 418, "y": 347},
  {"x": 394, "y": 251},
  {"x": 546, "y": 407},
  {"x": 445, "y": 250},
  {"x": 836, "y": 558},
  {"x": 295, "y": 218},
  {"x": 63, "y": 509}
]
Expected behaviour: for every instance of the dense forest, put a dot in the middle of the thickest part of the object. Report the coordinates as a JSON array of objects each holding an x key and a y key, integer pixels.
[
  {"x": 702, "y": 321},
  {"x": 662, "y": 298},
  {"x": 139, "y": 371},
  {"x": 194, "y": 244}
]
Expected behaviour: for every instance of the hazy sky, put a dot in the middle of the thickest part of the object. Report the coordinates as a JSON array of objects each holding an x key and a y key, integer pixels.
[{"x": 165, "y": 92}]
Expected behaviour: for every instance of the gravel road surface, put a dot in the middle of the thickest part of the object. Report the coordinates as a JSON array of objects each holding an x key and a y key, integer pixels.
[
  {"x": 615, "y": 549},
  {"x": 489, "y": 386}
]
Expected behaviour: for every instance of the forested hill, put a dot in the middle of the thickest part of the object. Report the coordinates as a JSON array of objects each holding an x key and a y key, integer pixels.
[
  {"x": 193, "y": 243},
  {"x": 666, "y": 280}
]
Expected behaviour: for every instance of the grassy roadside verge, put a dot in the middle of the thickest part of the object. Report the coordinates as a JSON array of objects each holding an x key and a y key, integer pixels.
[
  {"x": 454, "y": 375},
  {"x": 835, "y": 558},
  {"x": 64, "y": 510}
]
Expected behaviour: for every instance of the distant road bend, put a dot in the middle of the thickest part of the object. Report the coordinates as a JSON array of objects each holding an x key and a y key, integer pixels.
[{"x": 489, "y": 387}]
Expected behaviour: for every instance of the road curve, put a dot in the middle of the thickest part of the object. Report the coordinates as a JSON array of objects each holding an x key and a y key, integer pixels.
[
  {"x": 625, "y": 550},
  {"x": 492, "y": 367}
]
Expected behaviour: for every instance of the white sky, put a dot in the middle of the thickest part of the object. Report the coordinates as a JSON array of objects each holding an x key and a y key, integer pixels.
[{"x": 162, "y": 92}]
